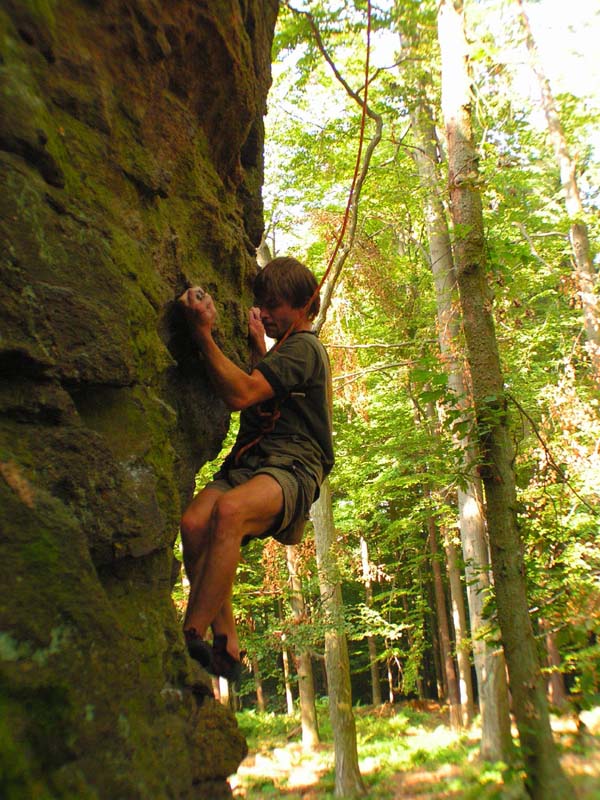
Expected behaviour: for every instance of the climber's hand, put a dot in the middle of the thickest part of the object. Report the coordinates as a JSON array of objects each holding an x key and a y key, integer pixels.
[
  {"x": 199, "y": 310},
  {"x": 256, "y": 332}
]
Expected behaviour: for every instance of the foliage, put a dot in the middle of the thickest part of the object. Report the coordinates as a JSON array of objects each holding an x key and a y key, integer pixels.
[
  {"x": 406, "y": 751},
  {"x": 395, "y": 421}
]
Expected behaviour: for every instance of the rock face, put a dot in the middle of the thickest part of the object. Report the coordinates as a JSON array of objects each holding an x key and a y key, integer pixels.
[{"x": 131, "y": 163}]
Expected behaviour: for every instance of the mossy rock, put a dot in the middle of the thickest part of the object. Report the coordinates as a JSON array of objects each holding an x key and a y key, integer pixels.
[{"x": 131, "y": 166}]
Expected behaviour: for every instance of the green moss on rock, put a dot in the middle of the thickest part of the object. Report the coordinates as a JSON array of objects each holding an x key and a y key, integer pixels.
[{"x": 130, "y": 140}]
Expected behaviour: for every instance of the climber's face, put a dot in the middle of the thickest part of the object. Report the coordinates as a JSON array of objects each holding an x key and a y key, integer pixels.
[{"x": 278, "y": 317}]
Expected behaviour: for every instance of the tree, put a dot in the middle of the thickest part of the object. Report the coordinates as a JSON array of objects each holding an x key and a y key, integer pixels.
[
  {"x": 384, "y": 304},
  {"x": 496, "y": 743},
  {"x": 443, "y": 627},
  {"x": 348, "y": 780},
  {"x": 372, "y": 645},
  {"x": 306, "y": 686},
  {"x": 545, "y": 778},
  {"x": 585, "y": 271}
]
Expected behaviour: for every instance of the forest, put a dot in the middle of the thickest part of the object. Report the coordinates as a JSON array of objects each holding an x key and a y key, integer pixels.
[{"x": 444, "y": 164}]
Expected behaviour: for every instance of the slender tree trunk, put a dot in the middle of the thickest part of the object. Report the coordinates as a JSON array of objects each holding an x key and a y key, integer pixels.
[
  {"x": 390, "y": 680},
  {"x": 348, "y": 780},
  {"x": 441, "y": 684},
  {"x": 373, "y": 663},
  {"x": 496, "y": 739},
  {"x": 287, "y": 672},
  {"x": 459, "y": 618},
  {"x": 544, "y": 777},
  {"x": 411, "y": 643},
  {"x": 557, "y": 691},
  {"x": 258, "y": 686},
  {"x": 376, "y": 697},
  {"x": 306, "y": 684},
  {"x": 490, "y": 666},
  {"x": 287, "y": 678},
  {"x": 587, "y": 277},
  {"x": 444, "y": 628}
]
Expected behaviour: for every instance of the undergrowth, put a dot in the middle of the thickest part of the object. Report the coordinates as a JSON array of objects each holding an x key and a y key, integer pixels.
[{"x": 404, "y": 753}]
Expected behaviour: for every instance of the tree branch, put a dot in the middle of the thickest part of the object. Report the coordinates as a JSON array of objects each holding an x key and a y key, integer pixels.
[
  {"x": 353, "y": 376},
  {"x": 550, "y": 458},
  {"x": 344, "y": 251}
]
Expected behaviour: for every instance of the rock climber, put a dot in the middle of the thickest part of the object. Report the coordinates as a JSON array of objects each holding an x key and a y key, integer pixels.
[{"x": 283, "y": 451}]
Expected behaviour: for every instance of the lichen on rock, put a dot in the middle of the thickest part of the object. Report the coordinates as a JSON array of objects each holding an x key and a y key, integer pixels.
[{"x": 131, "y": 163}]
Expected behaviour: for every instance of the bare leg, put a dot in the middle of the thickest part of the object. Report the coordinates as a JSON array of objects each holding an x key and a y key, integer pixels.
[
  {"x": 195, "y": 537},
  {"x": 249, "y": 509},
  {"x": 195, "y": 530},
  {"x": 224, "y": 625}
]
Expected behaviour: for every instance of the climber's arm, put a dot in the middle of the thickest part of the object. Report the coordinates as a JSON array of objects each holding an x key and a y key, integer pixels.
[{"x": 237, "y": 389}]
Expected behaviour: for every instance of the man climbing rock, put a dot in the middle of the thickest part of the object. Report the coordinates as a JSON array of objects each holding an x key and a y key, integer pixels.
[{"x": 283, "y": 451}]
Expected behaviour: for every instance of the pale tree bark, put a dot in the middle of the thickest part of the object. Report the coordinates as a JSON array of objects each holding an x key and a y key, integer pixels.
[
  {"x": 490, "y": 665},
  {"x": 496, "y": 739},
  {"x": 287, "y": 679},
  {"x": 557, "y": 691},
  {"x": 444, "y": 628},
  {"x": 390, "y": 681},
  {"x": 306, "y": 684},
  {"x": 461, "y": 631},
  {"x": 258, "y": 686},
  {"x": 544, "y": 777},
  {"x": 372, "y": 645},
  {"x": 459, "y": 617},
  {"x": 348, "y": 780},
  {"x": 587, "y": 277},
  {"x": 287, "y": 671}
]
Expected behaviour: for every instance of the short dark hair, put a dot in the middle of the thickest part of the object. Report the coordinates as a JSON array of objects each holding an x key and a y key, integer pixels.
[{"x": 287, "y": 280}]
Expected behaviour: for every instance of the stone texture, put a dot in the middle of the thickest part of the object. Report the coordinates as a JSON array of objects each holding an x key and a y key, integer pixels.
[{"x": 131, "y": 164}]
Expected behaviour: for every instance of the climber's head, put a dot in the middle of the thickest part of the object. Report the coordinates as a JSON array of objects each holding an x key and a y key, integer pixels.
[{"x": 287, "y": 280}]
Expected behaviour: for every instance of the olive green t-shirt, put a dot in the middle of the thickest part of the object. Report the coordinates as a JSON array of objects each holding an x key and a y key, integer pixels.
[{"x": 300, "y": 375}]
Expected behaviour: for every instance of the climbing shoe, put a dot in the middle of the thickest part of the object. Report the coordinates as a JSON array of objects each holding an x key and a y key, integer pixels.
[
  {"x": 223, "y": 663},
  {"x": 198, "y": 649}
]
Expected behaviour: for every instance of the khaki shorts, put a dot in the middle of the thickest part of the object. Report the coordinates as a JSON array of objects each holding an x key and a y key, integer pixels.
[{"x": 299, "y": 491}]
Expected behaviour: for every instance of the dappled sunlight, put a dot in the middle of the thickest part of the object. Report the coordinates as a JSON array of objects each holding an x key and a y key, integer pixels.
[
  {"x": 288, "y": 767},
  {"x": 404, "y": 754},
  {"x": 424, "y": 783}
]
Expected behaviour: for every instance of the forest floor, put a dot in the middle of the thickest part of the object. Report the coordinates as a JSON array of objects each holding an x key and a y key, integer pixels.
[{"x": 406, "y": 752}]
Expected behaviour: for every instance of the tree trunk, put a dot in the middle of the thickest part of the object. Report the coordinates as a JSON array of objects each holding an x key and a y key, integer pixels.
[
  {"x": 287, "y": 673},
  {"x": 557, "y": 691},
  {"x": 459, "y": 618},
  {"x": 306, "y": 684},
  {"x": 587, "y": 278},
  {"x": 373, "y": 663},
  {"x": 441, "y": 684},
  {"x": 390, "y": 681},
  {"x": 496, "y": 739},
  {"x": 444, "y": 628},
  {"x": 490, "y": 666},
  {"x": 348, "y": 780},
  {"x": 258, "y": 686},
  {"x": 544, "y": 777}
]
